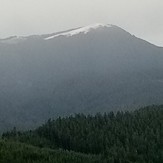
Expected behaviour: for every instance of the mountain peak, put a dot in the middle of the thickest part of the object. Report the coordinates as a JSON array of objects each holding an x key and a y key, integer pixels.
[{"x": 76, "y": 31}]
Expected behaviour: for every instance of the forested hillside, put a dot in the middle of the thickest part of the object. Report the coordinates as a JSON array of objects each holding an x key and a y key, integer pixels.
[
  {"x": 122, "y": 137},
  {"x": 12, "y": 152}
]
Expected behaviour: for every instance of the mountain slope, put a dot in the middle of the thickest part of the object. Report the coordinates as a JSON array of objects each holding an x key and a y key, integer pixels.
[{"x": 88, "y": 69}]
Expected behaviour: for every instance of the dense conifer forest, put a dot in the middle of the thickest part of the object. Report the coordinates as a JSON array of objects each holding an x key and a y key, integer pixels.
[{"x": 121, "y": 137}]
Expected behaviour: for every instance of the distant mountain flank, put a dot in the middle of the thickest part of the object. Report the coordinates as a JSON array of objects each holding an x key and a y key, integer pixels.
[{"x": 97, "y": 68}]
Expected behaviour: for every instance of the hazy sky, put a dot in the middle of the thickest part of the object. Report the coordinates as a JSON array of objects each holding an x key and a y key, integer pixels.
[{"x": 143, "y": 18}]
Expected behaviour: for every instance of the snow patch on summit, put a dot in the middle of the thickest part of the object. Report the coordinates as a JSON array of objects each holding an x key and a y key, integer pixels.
[{"x": 84, "y": 30}]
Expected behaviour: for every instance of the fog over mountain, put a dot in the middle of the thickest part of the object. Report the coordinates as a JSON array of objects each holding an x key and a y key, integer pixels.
[{"x": 90, "y": 69}]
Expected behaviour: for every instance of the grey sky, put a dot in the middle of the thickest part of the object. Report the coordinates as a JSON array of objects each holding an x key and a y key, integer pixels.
[{"x": 143, "y": 18}]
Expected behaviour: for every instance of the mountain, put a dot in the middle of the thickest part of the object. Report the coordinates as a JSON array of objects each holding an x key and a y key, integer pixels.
[{"x": 97, "y": 68}]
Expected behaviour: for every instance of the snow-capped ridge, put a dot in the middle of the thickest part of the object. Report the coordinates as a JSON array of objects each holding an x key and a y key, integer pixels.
[
  {"x": 13, "y": 39},
  {"x": 83, "y": 30},
  {"x": 68, "y": 33}
]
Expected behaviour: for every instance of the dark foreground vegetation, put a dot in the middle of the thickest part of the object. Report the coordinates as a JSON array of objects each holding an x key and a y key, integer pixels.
[
  {"x": 12, "y": 152},
  {"x": 124, "y": 137}
]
